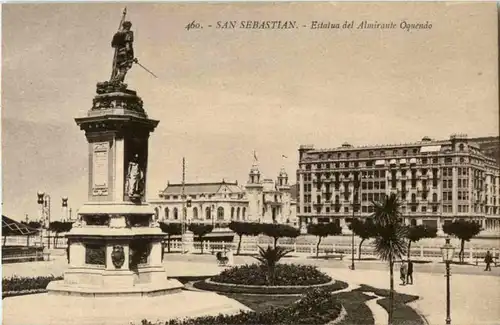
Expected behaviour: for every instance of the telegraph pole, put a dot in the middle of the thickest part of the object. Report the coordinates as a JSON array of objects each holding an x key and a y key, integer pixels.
[{"x": 183, "y": 202}]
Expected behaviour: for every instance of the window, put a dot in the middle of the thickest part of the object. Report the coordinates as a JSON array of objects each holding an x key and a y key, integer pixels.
[
  {"x": 207, "y": 213},
  {"x": 220, "y": 213},
  {"x": 434, "y": 197},
  {"x": 176, "y": 214},
  {"x": 166, "y": 213}
]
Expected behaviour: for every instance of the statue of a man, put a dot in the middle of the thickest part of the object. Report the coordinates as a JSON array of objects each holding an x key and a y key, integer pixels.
[
  {"x": 133, "y": 184},
  {"x": 124, "y": 52}
]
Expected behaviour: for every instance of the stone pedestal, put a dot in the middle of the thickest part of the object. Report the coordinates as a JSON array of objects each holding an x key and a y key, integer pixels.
[
  {"x": 187, "y": 242},
  {"x": 115, "y": 246}
]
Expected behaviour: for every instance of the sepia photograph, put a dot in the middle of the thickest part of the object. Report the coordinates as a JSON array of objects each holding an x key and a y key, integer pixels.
[{"x": 225, "y": 163}]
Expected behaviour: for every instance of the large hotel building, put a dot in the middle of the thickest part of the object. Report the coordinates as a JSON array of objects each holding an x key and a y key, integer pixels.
[{"x": 437, "y": 181}]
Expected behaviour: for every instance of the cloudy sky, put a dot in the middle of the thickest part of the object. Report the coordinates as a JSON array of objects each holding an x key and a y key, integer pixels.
[{"x": 223, "y": 93}]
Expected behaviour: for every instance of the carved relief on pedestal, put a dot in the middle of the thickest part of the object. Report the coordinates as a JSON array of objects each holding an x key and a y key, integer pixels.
[
  {"x": 118, "y": 256},
  {"x": 117, "y": 221},
  {"x": 100, "y": 168}
]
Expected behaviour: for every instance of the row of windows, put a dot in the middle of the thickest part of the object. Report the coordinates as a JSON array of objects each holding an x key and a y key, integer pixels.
[
  {"x": 207, "y": 196},
  {"x": 208, "y": 213},
  {"x": 366, "y": 209},
  {"x": 380, "y": 153},
  {"x": 422, "y": 161}
]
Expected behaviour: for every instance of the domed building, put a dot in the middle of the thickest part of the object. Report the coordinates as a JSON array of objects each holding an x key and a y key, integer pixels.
[{"x": 219, "y": 203}]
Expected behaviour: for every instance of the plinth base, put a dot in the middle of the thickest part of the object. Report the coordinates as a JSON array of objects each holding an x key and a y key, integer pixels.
[
  {"x": 59, "y": 288},
  {"x": 56, "y": 310}
]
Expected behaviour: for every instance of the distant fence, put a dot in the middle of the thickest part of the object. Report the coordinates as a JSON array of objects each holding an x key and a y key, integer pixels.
[
  {"x": 417, "y": 252},
  {"x": 34, "y": 240},
  {"x": 250, "y": 245}
]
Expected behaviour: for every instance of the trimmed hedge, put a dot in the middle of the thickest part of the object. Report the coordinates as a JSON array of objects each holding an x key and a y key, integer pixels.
[
  {"x": 267, "y": 290},
  {"x": 285, "y": 275},
  {"x": 16, "y": 283},
  {"x": 317, "y": 307}
]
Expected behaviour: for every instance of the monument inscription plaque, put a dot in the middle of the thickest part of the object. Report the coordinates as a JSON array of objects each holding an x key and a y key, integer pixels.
[{"x": 100, "y": 170}]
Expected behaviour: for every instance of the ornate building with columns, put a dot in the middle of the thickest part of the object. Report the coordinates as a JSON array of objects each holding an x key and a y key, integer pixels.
[
  {"x": 437, "y": 181},
  {"x": 218, "y": 203}
]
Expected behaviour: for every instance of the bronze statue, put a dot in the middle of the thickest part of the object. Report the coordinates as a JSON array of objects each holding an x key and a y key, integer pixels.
[
  {"x": 124, "y": 52},
  {"x": 133, "y": 185}
]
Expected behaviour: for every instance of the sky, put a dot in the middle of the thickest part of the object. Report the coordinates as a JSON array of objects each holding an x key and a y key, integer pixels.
[{"x": 221, "y": 94}]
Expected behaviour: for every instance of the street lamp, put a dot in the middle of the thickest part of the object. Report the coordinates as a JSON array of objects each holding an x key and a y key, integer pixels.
[
  {"x": 44, "y": 201},
  {"x": 447, "y": 251}
]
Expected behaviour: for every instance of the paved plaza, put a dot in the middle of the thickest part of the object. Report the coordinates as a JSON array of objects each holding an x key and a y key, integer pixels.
[{"x": 475, "y": 293}]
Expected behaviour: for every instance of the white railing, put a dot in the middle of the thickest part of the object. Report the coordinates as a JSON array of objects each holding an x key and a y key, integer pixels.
[
  {"x": 417, "y": 252},
  {"x": 34, "y": 240}
]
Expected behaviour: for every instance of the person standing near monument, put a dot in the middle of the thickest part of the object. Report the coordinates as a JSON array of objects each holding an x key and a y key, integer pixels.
[
  {"x": 488, "y": 259},
  {"x": 403, "y": 271},
  {"x": 409, "y": 273},
  {"x": 124, "y": 52}
]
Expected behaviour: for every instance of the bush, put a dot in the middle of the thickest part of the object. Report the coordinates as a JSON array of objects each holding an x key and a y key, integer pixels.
[
  {"x": 266, "y": 290},
  {"x": 315, "y": 307},
  {"x": 285, "y": 275},
  {"x": 24, "y": 284}
]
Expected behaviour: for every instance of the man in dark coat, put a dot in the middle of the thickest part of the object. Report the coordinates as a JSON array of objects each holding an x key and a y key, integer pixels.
[
  {"x": 410, "y": 272},
  {"x": 488, "y": 259}
]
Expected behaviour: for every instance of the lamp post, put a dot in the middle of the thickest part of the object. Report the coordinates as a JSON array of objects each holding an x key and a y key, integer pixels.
[
  {"x": 44, "y": 201},
  {"x": 355, "y": 203},
  {"x": 447, "y": 251},
  {"x": 64, "y": 208},
  {"x": 183, "y": 227}
]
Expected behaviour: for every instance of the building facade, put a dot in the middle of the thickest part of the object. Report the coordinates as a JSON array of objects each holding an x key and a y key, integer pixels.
[
  {"x": 218, "y": 203},
  {"x": 436, "y": 181}
]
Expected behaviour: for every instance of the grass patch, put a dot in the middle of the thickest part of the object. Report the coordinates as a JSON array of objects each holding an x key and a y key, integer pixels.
[
  {"x": 317, "y": 307},
  {"x": 260, "y": 303},
  {"x": 403, "y": 314},
  {"x": 357, "y": 311}
]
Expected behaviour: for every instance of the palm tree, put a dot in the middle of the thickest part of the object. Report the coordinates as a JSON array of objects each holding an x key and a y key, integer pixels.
[
  {"x": 390, "y": 238},
  {"x": 269, "y": 258}
]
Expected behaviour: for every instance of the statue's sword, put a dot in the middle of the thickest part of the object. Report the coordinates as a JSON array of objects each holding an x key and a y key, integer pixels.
[{"x": 137, "y": 62}]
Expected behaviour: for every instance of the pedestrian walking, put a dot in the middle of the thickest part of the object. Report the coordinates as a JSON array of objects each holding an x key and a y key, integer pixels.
[
  {"x": 488, "y": 259},
  {"x": 403, "y": 272},
  {"x": 409, "y": 275}
]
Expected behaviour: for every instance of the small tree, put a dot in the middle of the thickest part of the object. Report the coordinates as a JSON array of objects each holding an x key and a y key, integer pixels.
[
  {"x": 269, "y": 258},
  {"x": 32, "y": 224},
  {"x": 389, "y": 239},
  {"x": 415, "y": 233},
  {"x": 323, "y": 230},
  {"x": 59, "y": 227},
  {"x": 200, "y": 230},
  {"x": 171, "y": 229},
  {"x": 243, "y": 229},
  {"x": 463, "y": 230},
  {"x": 276, "y": 231},
  {"x": 364, "y": 230}
]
